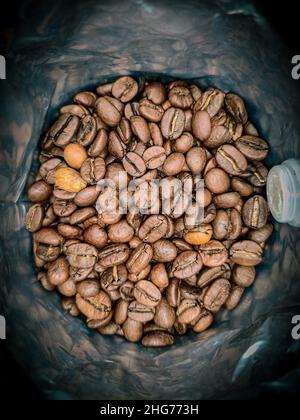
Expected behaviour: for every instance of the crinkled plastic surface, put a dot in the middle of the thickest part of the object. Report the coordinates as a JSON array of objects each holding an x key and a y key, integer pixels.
[{"x": 67, "y": 46}]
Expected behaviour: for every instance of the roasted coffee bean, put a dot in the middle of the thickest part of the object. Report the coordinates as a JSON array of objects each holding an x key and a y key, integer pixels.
[
  {"x": 217, "y": 295},
  {"x": 63, "y": 195},
  {"x": 172, "y": 123},
  {"x": 164, "y": 251},
  {"x": 227, "y": 224},
  {"x": 82, "y": 255},
  {"x": 201, "y": 125},
  {"x": 139, "y": 258},
  {"x": 104, "y": 89},
  {"x": 173, "y": 292},
  {"x": 79, "y": 274},
  {"x": 48, "y": 236},
  {"x": 87, "y": 99},
  {"x": 109, "y": 110},
  {"x": 241, "y": 186},
  {"x": 231, "y": 160},
  {"x": 186, "y": 264},
  {"x": 147, "y": 293},
  {"x": 121, "y": 309},
  {"x": 158, "y": 339},
  {"x": 188, "y": 311},
  {"x": 86, "y": 197},
  {"x": 95, "y": 235},
  {"x": 113, "y": 278},
  {"x": 94, "y": 307},
  {"x": 159, "y": 276},
  {"x": 243, "y": 276},
  {"x": 262, "y": 234},
  {"x": 134, "y": 165},
  {"x": 180, "y": 97},
  {"x": 125, "y": 88},
  {"x": 236, "y": 107},
  {"x": 252, "y": 147},
  {"x": 217, "y": 181},
  {"x": 174, "y": 164},
  {"x": 164, "y": 315},
  {"x": 150, "y": 111},
  {"x": 99, "y": 144},
  {"x": 210, "y": 101},
  {"x": 219, "y": 135},
  {"x": 43, "y": 279},
  {"x": 183, "y": 143},
  {"x": 196, "y": 160},
  {"x": 154, "y": 157},
  {"x": 182, "y": 245},
  {"x": 204, "y": 321},
  {"x": 58, "y": 271},
  {"x": 208, "y": 275},
  {"x": 81, "y": 215},
  {"x": 45, "y": 253},
  {"x": 199, "y": 235},
  {"x": 68, "y": 288},
  {"x": 116, "y": 147},
  {"x": 92, "y": 170},
  {"x": 78, "y": 110},
  {"x": 247, "y": 253},
  {"x": 140, "y": 312},
  {"x": 88, "y": 288},
  {"x": 120, "y": 232},
  {"x": 155, "y": 134},
  {"x": 234, "y": 298},
  {"x": 189, "y": 290},
  {"x": 126, "y": 291},
  {"x": 48, "y": 169},
  {"x": 133, "y": 330},
  {"x": 226, "y": 200},
  {"x": 255, "y": 212},
  {"x": 115, "y": 254},
  {"x": 155, "y": 92},
  {"x": 250, "y": 130},
  {"x": 63, "y": 208},
  {"x": 257, "y": 174},
  {"x": 34, "y": 218},
  {"x": 87, "y": 130},
  {"x": 39, "y": 191},
  {"x": 100, "y": 324},
  {"x": 69, "y": 231},
  {"x": 213, "y": 253},
  {"x": 64, "y": 129},
  {"x": 154, "y": 228},
  {"x": 69, "y": 305}
]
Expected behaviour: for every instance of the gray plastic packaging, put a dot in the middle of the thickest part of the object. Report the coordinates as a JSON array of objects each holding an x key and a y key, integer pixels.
[{"x": 67, "y": 46}]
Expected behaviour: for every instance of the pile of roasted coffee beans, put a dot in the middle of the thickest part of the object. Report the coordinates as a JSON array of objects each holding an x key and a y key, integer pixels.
[{"x": 148, "y": 277}]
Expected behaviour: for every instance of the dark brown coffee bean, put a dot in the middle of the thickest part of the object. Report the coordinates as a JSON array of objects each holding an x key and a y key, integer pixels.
[
  {"x": 64, "y": 129},
  {"x": 139, "y": 258},
  {"x": 147, "y": 293},
  {"x": 94, "y": 307},
  {"x": 247, "y": 253},
  {"x": 174, "y": 164},
  {"x": 255, "y": 212},
  {"x": 188, "y": 311},
  {"x": 257, "y": 174},
  {"x": 236, "y": 106},
  {"x": 243, "y": 276},
  {"x": 217, "y": 181},
  {"x": 208, "y": 275},
  {"x": 115, "y": 254},
  {"x": 159, "y": 276},
  {"x": 140, "y": 128},
  {"x": 186, "y": 264},
  {"x": 120, "y": 313},
  {"x": 34, "y": 218},
  {"x": 63, "y": 208},
  {"x": 155, "y": 92},
  {"x": 154, "y": 228},
  {"x": 252, "y": 147},
  {"x": 109, "y": 110},
  {"x": 116, "y": 147},
  {"x": 183, "y": 143},
  {"x": 201, "y": 125},
  {"x": 211, "y": 101},
  {"x": 133, "y": 330},
  {"x": 172, "y": 123},
  {"x": 154, "y": 157},
  {"x": 204, "y": 321},
  {"x": 99, "y": 144},
  {"x": 158, "y": 339},
  {"x": 140, "y": 312},
  {"x": 125, "y": 88},
  {"x": 234, "y": 298},
  {"x": 262, "y": 234},
  {"x": 134, "y": 165},
  {"x": 231, "y": 160},
  {"x": 39, "y": 191},
  {"x": 213, "y": 253},
  {"x": 92, "y": 170},
  {"x": 150, "y": 111},
  {"x": 180, "y": 97},
  {"x": 164, "y": 251},
  {"x": 81, "y": 215},
  {"x": 58, "y": 271},
  {"x": 217, "y": 295}
]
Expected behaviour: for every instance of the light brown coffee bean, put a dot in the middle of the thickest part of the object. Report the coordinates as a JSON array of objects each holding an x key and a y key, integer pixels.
[
  {"x": 174, "y": 164},
  {"x": 231, "y": 160},
  {"x": 188, "y": 311},
  {"x": 217, "y": 295},
  {"x": 180, "y": 97},
  {"x": 69, "y": 231},
  {"x": 95, "y": 307},
  {"x": 133, "y": 330},
  {"x": 140, "y": 128},
  {"x": 234, "y": 298},
  {"x": 68, "y": 288},
  {"x": 140, "y": 312},
  {"x": 204, "y": 321},
  {"x": 213, "y": 253},
  {"x": 159, "y": 276},
  {"x": 109, "y": 110},
  {"x": 164, "y": 251},
  {"x": 164, "y": 315},
  {"x": 154, "y": 157},
  {"x": 196, "y": 160},
  {"x": 247, "y": 253},
  {"x": 153, "y": 229},
  {"x": 201, "y": 125},
  {"x": 172, "y": 123},
  {"x": 95, "y": 235},
  {"x": 158, "y": 339},
  {"x": 200, "y": 235},
  {"x": 183, "y": 143},
  {"x": 255, "y": 212},
  {"x": 208, "y": 275},
  {"x": 120, "y": 232},
  {"x": 147, "y": 293},
  {"x": 121, "y": 309},
  {"x": 115, "y": 254},
  {"x": 88, "y": 288},
  {"x": 139, "y": 258},
  {"x": 217, "y": 181},
  {"x": 87, "y": 196},
  {"x": 125, "y": 89},
  {"x": 186, "y": 264}
]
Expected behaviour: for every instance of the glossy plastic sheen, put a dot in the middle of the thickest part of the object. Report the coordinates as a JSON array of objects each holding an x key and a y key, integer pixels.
[{"x": 69, "y": 46}]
